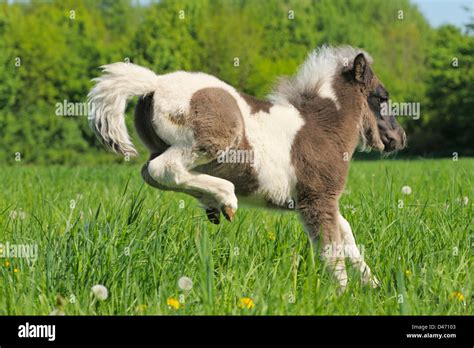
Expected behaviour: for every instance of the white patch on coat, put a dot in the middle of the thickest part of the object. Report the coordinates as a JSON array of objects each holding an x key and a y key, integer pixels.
[
  {"x": 271, "y": 136},
  {"x": 316, "y": 74}
]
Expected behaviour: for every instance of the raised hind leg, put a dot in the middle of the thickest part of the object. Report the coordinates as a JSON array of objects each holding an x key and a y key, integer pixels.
[
  {"x": 172, "y": 170},
  {"x": 212, "y": 212},
  {"x": 196, "y": 135}
]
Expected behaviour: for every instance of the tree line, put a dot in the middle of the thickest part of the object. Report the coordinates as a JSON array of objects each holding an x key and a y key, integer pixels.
[{"x": 50, "y": 50}]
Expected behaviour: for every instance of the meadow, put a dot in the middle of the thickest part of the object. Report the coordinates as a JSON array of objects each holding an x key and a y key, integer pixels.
[{"x": 103, "y": 225}]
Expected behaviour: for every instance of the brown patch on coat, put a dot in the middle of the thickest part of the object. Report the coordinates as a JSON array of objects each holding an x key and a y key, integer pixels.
[
  {"x": 179, "y": 118},
  {"x": 242, "y": 175},
  {"x": 218, "y": 126},
  {"x": 144, "y": 126},
  {"x": 216, "y": 121},
  {"x": 321, "y": 153},
  {"x": 256, "y": 105}
]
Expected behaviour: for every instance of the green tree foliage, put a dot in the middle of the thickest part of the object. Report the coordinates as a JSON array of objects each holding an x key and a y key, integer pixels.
[
  {"x": 448, "y": 125},
  {"x": 52, "y": 51},
  {"x": 247, "y": 43}
]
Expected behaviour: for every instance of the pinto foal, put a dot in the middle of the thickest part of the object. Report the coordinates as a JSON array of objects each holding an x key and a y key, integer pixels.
[{"x": 301, "y": 139}]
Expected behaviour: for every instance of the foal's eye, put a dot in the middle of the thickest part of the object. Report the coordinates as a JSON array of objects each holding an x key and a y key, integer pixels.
[
  {"x": 378, "y": 99},
  {"x": 382, "y": 98}
]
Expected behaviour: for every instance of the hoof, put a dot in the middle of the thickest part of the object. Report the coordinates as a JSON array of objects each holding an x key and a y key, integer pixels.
[
  {"x": 213, "y": 215},
  {"x": 369, "y": 279},
  {"x": 341, "y": 289},
  {"x": 374, "y": 282},
  {"x": 228, "y": 212}
]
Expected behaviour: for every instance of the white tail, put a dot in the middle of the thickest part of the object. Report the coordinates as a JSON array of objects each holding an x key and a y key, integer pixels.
[{"x": 108, "y": 99}]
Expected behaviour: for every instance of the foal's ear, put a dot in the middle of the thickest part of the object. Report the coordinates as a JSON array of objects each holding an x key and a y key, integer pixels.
[{"x": 361, "y": 70}]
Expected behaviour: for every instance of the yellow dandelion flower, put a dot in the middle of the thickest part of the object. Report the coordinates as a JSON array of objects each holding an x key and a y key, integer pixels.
[
  {"x": 246, "y": 302},
  {"x": 271, "y": 236},
  {"x": 408, "y": 273},
  {"x": 16, "y": 270},
  {"x": 456, "y": 295},
  {"x": 7, "y": 264},
  {"x": 142, "y": 307},
  {"x": 172, "y": 302}
]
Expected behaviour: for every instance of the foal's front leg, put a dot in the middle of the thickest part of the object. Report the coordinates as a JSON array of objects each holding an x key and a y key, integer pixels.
[
  {"x": 321, "y": 221},
  {"x": 353, "y": 253}
]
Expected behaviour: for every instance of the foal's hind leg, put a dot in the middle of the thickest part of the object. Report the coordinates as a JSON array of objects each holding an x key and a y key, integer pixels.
[
  {"x": 213, "y": 213},
  {"x": 172, "y": 170},
  {"x": 212, "y": 125}
]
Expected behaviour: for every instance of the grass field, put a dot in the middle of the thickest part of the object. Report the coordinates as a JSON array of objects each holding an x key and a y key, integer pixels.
[{"x": 138, "y": 241}]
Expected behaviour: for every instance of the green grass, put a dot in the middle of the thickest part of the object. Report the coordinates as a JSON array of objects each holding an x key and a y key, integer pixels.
[{"x": 138, "y": 241}]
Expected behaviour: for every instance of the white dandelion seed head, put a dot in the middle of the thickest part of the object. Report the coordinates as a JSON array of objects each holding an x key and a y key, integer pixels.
[
  {"x": 100, "y": 292},
  {"x": 57, "y": 312},
  {"x": 406, "y": 190},
  {"x": 465, "y": 200},
  {"x": 13, "y": 214},
  {"x": 185, "y": 283}
]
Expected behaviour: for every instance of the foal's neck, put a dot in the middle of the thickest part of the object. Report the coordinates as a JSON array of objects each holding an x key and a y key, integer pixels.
[{"x": 349, "y": 114}]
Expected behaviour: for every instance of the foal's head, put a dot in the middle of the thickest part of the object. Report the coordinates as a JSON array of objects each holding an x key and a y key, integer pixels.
[
  {"x": 379, "y": 130},
  {"x": 361, "y": 89}
]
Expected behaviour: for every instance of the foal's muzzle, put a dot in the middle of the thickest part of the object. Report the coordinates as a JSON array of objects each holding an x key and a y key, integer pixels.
[
  {"x": 394, "y": 139},
  {"x": 391, "y": 134}
]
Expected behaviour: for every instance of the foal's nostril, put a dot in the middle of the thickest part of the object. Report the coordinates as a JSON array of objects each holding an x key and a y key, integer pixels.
[{"x": 392, "y": 144}]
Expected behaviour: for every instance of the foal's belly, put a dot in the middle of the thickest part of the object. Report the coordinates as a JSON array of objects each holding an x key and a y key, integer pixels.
[
  {"x": 248, "y": 185},
  {"x": 256, "y": 201}
]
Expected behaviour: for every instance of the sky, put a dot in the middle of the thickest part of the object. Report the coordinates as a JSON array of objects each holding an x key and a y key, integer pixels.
[{"x": 439, "y": 12}]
